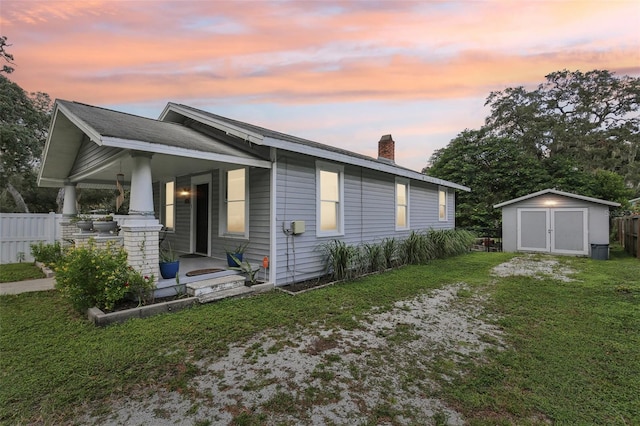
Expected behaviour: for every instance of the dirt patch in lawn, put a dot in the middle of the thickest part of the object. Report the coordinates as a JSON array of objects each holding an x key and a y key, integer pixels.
[
  {"x": 382, "y": 371},
  {"x": 535, "y": 266}
]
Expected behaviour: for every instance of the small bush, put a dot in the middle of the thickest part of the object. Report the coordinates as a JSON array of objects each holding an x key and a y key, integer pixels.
[
  {"x": 49, "y": 254},
  {"x": 415, "y": 249},
  {"x": 342, "y": 259},
  {"x": 421, "y": 247},
  {"x": 390, "y": 252},
  {"x": 373, "y": 257},
  {"x": 89, "y": 276},
  {"x": 140, "y": 287},
  {"x": 449, "y": 242}
]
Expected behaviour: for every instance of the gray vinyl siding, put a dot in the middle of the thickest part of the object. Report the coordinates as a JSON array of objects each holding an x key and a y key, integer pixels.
[
  {"x": 259, "y": 215},
  {"x": 91, "y": 155},
  {"x": 258, "y": 248},
  {"x": 369, "y": 213},
  {"x": 180, "y": 237}
]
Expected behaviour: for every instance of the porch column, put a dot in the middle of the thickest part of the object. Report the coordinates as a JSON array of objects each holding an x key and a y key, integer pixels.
[
  {"x": 141, "y": 243},
  {"x": 69, "y": 208},
  {"x": 69, "y": 211},
  {"x": 141, "y": 199},
  {"x": 140, "y": 228}
]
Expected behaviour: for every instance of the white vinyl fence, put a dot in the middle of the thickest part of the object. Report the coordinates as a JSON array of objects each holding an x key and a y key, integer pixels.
[{"x": 19, "y": 230}]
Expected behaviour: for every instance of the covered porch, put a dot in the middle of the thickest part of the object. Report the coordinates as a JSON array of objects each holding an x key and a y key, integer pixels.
[{"x": 95, "y": 148}]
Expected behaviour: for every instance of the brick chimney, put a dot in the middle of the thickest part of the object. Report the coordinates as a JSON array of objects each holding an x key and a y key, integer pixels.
[{"x": 386, "y": 148}]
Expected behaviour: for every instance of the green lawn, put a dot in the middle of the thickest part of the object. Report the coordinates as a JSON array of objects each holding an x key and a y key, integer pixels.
[
  {"x": 19, "y": 272},
  {"x": 573, "y": 349}
]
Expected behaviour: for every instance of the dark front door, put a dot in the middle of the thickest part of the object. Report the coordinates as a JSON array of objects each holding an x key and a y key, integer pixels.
[{"x": 202, "y": 218}]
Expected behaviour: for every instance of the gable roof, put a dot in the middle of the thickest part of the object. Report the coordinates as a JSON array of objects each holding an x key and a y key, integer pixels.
[
  {"x": 556, "y": 192},
  {"x": 267, "y": 137},
  {"x": 107, "y": 127},
  {"x": 85, "y": 142}
]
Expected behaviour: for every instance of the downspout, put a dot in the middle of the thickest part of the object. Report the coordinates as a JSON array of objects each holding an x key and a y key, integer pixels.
[{"x": 273, "y": 249}]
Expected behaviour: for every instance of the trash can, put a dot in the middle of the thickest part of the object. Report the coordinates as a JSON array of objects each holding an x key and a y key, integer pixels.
[{"x": 600, "y": 251}]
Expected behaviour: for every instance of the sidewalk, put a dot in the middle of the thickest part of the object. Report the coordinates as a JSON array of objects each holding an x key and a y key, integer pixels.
[{"x": 27, "y": 285}]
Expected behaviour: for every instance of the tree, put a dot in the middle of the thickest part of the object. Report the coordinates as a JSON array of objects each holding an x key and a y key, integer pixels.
[
  {"x": 24, "y": 122},
  {"x": 496, "y": 169},
  {"x": 5, "y": 55},
  {"x": 591, "y": 117},
  {"x": 576, "y": 132}
]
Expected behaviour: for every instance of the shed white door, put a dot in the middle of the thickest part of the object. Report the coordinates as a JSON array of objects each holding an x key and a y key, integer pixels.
[{"x": 553, "y": 230}]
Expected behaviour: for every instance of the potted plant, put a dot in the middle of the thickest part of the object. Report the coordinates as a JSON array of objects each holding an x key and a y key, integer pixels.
[
  {"x": 84, "y": 223},
  {"x": 169, "y": 263},
  {"x": 105, "y": 225},
  {"x": 236, "y": 253}
]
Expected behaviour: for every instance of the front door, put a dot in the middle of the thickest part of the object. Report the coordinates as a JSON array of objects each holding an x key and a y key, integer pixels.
[
  {"x": 202, "y": 218},
  {"x": 553, "y": 230}
]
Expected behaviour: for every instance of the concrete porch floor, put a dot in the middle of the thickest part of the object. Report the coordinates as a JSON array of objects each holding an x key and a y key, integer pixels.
[
  {"x": 170, "y": 286},
  {"x": 188, "y": 264}
]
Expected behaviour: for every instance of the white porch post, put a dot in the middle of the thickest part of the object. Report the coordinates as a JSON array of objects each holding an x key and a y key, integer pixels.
[
  {"x": 69, "y": 211},
  {"x": 140, "y": 229},
  {"x": 141, "y": 202},
  {"x": 69, "y": 208}
]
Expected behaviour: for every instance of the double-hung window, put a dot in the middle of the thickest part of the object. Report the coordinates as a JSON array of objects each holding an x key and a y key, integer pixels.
[
  {"x": 169, "y": 210},
  {"x": 402, "y": 204},
  {"x": 330, "y": 196},
  {"x": 442, "y": 204},
  {"x": 235, "y": 203}
]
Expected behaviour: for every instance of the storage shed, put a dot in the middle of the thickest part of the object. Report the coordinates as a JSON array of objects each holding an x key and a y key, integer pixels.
[{"x": 553, "y": 221}]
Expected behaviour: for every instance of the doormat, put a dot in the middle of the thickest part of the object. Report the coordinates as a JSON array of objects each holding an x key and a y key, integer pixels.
[
  {"x": 191, "y": 256},
  {"x": 197, "y": 272}
]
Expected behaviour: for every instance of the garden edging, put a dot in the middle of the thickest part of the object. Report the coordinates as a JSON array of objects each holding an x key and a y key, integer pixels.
[
  {"x": 48, "y": 273},
  {"x": 100, "y": 318}
]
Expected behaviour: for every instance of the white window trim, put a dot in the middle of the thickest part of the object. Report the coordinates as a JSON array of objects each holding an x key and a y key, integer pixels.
[
  {"x": 222, "y": 205},
  {"x": 336, "y": 168},
  {"x": 395, "y": 190},
  {"x": 446, "y": 204},
  {"x": 163, "y": 203}
]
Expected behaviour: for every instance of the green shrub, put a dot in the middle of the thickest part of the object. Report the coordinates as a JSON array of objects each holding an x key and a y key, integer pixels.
[
  {"x": 390, "y": 252},
  {"x": 49, "y": 254},
  {"x": 89, "y": 276},
  {"x": 420, "y": 247},
  {"x": 415, "y": 249},
  {"x": 449, "y": 242},
  {"x": 373, "y": 257},
  {"x": 342, "y": 259},
  {"x": 140, "y": 287}
]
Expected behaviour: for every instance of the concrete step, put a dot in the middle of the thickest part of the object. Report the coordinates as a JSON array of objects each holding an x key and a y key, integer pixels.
[
  {"x": 223, "y": 294},
  {"x": 213, "y": 285}
]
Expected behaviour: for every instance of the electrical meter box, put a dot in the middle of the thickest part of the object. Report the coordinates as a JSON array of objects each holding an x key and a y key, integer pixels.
[{"x": 297, "y": 227}]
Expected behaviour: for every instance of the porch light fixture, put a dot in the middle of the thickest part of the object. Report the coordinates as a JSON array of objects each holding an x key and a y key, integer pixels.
[{"x": 186, "y": 194}]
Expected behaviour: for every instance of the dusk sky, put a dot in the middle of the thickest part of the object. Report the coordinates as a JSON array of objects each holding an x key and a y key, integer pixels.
[{"x": 338, "y": 72}]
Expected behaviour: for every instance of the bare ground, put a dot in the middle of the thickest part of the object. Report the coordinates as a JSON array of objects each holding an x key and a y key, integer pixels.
[{"x": 382, "y": 371}]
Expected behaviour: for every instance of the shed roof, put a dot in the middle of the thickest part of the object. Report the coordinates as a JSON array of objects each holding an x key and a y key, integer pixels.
[{"x": 556, "y": 192}]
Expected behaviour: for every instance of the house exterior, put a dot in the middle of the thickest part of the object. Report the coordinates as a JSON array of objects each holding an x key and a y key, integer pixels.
[
  {"x": 552, "y": 221},
  {"x": 209, "y": 183}
]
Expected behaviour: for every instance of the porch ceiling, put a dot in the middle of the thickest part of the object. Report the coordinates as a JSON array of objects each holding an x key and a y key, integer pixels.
[{"x": 89, "y": 146}]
